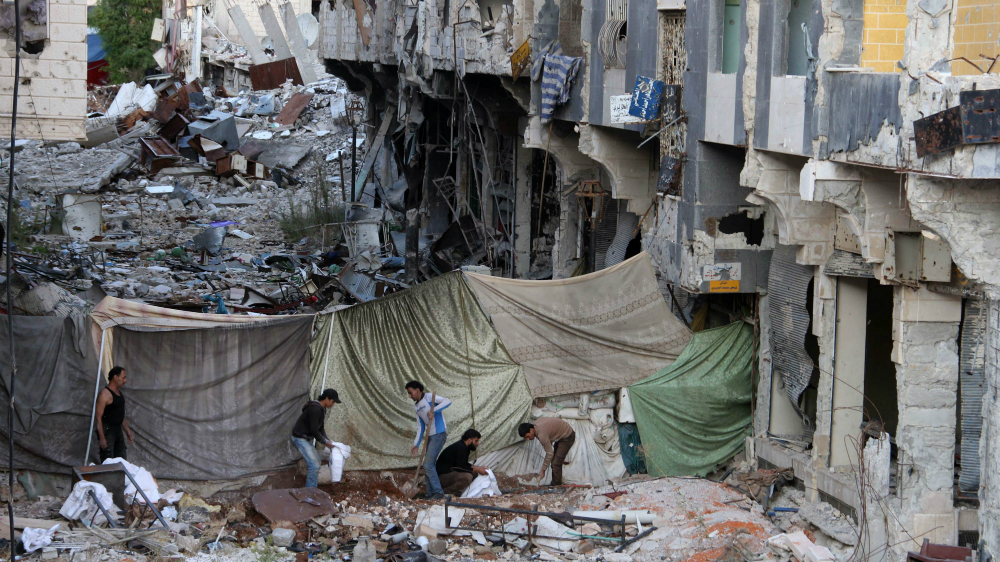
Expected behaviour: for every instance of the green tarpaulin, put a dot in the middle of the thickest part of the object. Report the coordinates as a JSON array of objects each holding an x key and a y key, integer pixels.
[
  {"x": 369, "y": 351},
  {"x": 694, "y": 414}
]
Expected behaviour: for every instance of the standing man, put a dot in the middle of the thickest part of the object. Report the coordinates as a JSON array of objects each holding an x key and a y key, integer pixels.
[
  {"x": 310, "y": 426},
  {"x": 549, "y": 432},
  {"x": 113, "y": 429},
  {"x": 435, "y": 428},
  {"x": 453, "y": 466}
]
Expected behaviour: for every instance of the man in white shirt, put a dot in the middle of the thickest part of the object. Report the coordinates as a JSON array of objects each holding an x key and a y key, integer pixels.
[{"x": 434, "y": 427}]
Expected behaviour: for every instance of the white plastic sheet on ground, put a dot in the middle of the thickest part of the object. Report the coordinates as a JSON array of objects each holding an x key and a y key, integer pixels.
[
  {"x": 80, "y": 506},
  {"x": 33, "y": 539},
  {"x": 485, "y": 485},
  {"x": 594, "y": 459},
  {"x": 142, "y": 477},
  {"x": 434, "y": 518},
  {"x": 131, "y": 97},
  {"x": 338, "y": 454}
]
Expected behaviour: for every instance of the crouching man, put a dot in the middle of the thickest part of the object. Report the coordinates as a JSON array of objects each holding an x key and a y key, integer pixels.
[
  {"x": 309, "y": 426},
  {"x": 453, "y": 466}
]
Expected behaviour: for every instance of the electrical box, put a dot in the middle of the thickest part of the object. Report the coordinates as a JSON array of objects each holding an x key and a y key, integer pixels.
[
  {"x": 159, "y": 30},
  {"x": 911, "y": 257}
]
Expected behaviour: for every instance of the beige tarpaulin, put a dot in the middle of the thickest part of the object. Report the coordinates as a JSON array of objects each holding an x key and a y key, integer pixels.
[
  {"x": 603, "y": 330},
  {"x": 111, "y": 312},
  {"x": 434, "y": 333}
]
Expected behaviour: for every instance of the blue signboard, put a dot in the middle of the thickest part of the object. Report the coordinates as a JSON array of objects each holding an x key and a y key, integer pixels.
[{"x": 646, "y": 98}]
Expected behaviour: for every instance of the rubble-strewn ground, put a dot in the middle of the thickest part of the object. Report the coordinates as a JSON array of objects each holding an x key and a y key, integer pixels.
[
  {"x": 695, "y": 520},
  {"x": 149, "y": 247}
]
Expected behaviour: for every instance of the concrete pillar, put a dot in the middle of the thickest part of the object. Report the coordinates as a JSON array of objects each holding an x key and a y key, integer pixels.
[
  {"x": 824, "y": 328},
  {"x": 273, "y": 28},
  {"x": 925, "y": 350},
  {"x": 565, "y": 250},
  {"x": 849, "y": 372},
  {"x": 522, "y": 209}
]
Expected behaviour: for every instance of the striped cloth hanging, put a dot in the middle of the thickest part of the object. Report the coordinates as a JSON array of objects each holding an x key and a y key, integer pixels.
[{"x": 557, "y": 79}]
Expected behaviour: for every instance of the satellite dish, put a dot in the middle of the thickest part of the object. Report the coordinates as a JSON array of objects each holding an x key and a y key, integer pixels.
[{"x": 310, "y": 28}]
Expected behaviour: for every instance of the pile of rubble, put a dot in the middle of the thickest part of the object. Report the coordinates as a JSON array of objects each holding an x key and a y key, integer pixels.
[
  {"x": 365, "y": 518},
  {"x": 194, "y": 198}
]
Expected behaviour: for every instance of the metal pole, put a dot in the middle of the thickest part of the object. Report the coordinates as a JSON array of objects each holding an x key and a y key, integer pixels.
[
  {"x": 97, "y": 389},
  {"x": 354, "y": 157},
  {"x": 10, "y": 273}
]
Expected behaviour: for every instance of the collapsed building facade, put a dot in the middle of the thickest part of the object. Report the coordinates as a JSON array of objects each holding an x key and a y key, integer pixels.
[{"x": 828, "y": 167}]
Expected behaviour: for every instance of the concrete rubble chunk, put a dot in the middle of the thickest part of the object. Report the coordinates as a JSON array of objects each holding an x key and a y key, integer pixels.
[{"x": 283, "y": 537}]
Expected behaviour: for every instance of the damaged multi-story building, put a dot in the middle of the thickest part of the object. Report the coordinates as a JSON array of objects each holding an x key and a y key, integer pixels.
[
  {"x": 841, "y": 165},
  {"x": 488, "y": 179},
  {"x": 829, "y": 168}
]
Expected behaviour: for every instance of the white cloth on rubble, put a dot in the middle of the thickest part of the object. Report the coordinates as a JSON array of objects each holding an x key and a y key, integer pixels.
[
  {"x": 483, "y": 485},
  {"x": 625, "y": 413},
  {"x": 338, "y": 454},
  {"x": 594, "y": 459},
  {"x": 79, "y": 504},
  {"x": 33, "y": 538},
  {"x": 142, "y": 477}
]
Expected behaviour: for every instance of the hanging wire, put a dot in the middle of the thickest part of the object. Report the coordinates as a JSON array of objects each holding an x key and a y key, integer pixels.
[{"x": 10, "y": 267}]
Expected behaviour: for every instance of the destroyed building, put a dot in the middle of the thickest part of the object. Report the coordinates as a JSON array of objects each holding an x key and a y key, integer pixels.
[{"x": 829, "y": 168}]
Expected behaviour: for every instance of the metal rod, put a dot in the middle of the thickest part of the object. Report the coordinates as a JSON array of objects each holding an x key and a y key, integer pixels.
[
  {"x": 533, "y": 512},
  {"x": 635, "y": 538},
  {"x": 522, "y": 534},
  {"x": 97, "y": 390},
  {"x": 101, "y": 507},
  {"x": 150, "y": 504}
]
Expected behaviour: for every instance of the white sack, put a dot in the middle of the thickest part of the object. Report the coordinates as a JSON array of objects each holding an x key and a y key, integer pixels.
[
  {"x": 338, "y": 454},
  {"x": 142, "y": 477},
  {"x": 483, "y": 485},
  {"x": 80, "y": 506},
  {"x": 129, "y": 98},
  {"x": 625, "y": 413}
]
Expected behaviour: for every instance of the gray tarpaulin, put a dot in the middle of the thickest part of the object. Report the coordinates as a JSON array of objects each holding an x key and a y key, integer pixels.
[
  {"x": 215, "y": 403},
  {"x": 56, "y": 366}
]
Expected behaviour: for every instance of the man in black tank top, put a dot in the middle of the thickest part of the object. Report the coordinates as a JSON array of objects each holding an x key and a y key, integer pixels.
[{"x": 112, "y": 429}]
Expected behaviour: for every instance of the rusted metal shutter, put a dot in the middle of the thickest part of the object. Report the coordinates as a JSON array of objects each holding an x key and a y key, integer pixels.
[
  {"x": 971, "y": 360},
  {"x": 788, "y": 286}
]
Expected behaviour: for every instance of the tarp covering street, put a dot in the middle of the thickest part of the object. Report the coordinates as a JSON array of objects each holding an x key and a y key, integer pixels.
[
  {"x": 695, "y": 413},
  {"x": 603, "y": 330},
  {"x": 368, "y": 352}
]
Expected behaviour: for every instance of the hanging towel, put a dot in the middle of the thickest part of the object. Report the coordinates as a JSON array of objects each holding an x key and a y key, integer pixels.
[{"x": 557, "y": 79}]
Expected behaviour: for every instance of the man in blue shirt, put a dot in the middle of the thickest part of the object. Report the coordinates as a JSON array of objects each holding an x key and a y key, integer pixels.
[{"x": 434, "y": 427}]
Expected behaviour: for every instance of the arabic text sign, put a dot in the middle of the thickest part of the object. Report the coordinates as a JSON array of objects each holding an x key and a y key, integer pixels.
[
  {"x": 519, "y": 60},
  {"x": 619, "y": 110}
]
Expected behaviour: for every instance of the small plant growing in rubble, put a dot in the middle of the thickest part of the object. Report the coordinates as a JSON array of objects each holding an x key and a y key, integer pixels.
[
  {"x": 125, "y": 27},
  {"x": 267, "y": 552},
  {"x": 300, "y": 221}
]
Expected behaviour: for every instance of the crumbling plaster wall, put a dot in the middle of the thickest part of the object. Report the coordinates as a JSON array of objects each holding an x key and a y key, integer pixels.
[
  {"x": 439, "y": 46},
  {"x": 630, "y": 170},
  {"x": 925, "y": 350}
]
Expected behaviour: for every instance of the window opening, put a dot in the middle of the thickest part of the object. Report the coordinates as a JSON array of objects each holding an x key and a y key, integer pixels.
[
  {"x": 731, "y": 37},
  {"x": 798, "y": 60}
]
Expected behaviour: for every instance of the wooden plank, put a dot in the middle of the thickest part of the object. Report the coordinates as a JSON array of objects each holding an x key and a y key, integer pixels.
[{"x": 293, "y": 108}]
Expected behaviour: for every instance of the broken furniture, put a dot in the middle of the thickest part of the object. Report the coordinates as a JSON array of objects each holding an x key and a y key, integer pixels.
[
  {"x": 930, "y": 552},
  {"x": 219, "y": 127},
  {"x": 112, "y": 477},
  {"x": 157, "y": 153}
]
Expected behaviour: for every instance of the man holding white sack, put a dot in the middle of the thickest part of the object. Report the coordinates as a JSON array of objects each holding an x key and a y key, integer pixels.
[
  {"x": 453, "y": 467},
  {"x": 309, "y": 426}
]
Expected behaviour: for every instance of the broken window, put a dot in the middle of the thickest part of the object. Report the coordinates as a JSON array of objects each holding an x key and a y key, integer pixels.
[
  {"x": 731, "y": 37},
  {"x": 751, "y": 227},
  {"x": 798, "y": 18},
  {"x": 612, "y": 40}
]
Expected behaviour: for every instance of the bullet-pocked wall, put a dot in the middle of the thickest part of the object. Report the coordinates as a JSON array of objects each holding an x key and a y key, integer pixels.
[{"x": 52, "y": 97}]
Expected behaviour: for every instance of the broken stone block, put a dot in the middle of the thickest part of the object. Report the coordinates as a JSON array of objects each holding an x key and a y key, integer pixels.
[
  {"x": 437, "y": 547},
  {"x": 175, "y": 204},
  {"x": 283, "y": 537},
  {"x": 356, "y": 521},
  {"x": 162, "y": 290},
  {"x": 187, "y": 544}
]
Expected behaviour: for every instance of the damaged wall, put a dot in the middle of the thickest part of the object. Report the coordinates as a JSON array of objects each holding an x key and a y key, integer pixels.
[{"x": 52, "y": 98}]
